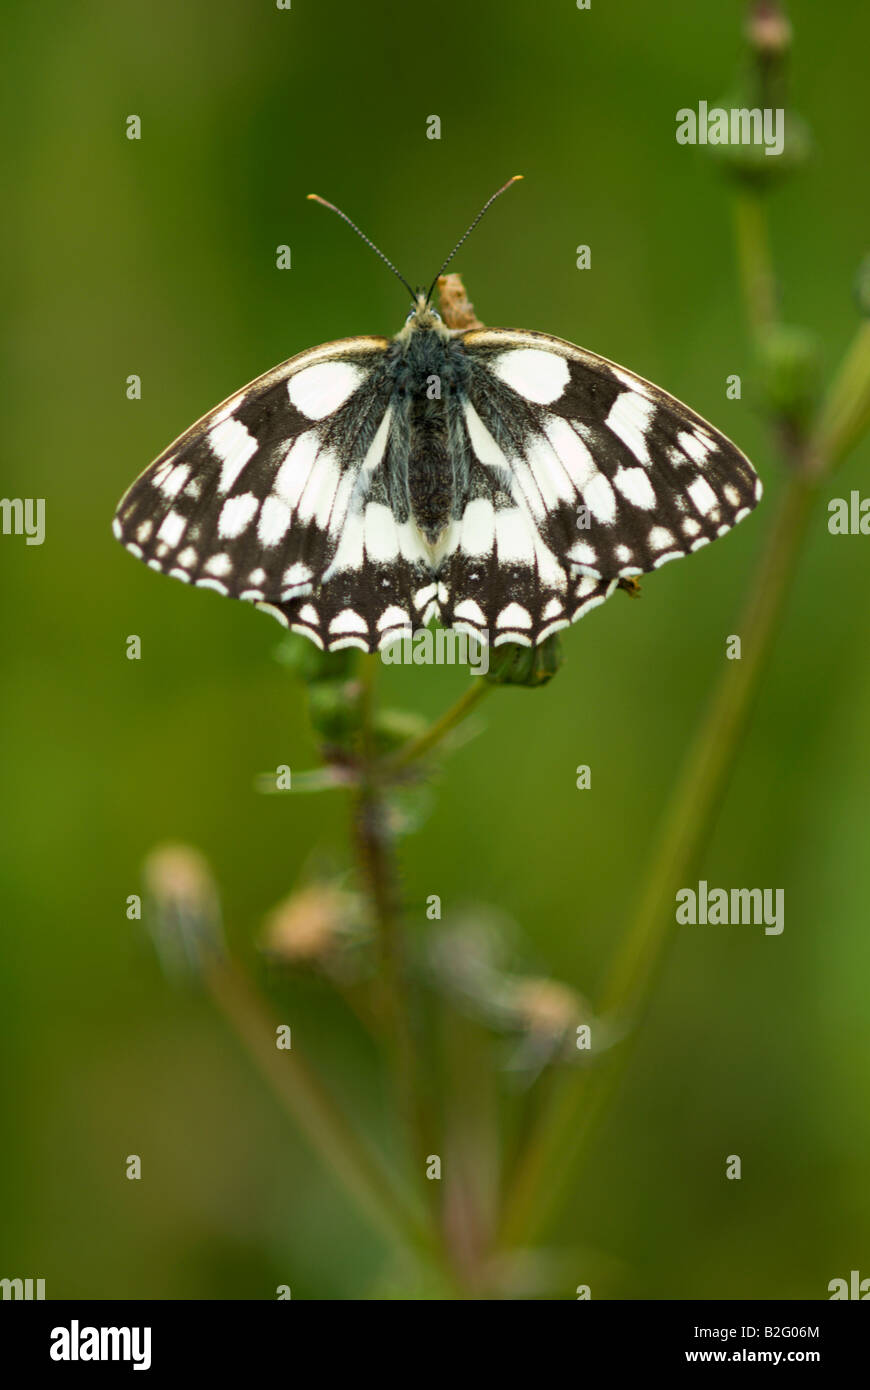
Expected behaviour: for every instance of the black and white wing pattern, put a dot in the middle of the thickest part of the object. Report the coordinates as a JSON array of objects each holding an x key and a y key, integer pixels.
[
  {"x": 343, "y": 495},
  {"x": 578, "y": 474},
  {"x": 279, "y": 496}
]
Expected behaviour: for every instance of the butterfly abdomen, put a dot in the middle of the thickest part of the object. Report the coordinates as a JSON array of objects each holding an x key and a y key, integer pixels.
[{"x": 430, "y": 468}]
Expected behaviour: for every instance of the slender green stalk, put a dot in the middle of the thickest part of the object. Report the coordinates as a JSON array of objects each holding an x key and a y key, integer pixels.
[
  {"x": 550, "y": 1160},
  {"x": 754, "y": 263},
  {"x": 376, "y": 854},
  {"x": 419, "y": 747},
  {"x": 548, "y": 1163},
  {"x": 371, "y": 1187},
  {"x": 845, "y": 414}
]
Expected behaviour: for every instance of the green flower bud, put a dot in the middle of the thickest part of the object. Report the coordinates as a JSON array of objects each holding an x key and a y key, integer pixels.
[
  {"x": 334, "y": 710},
  {"x": 790, "y": 374},
  {"x": 529, "y": 666},
  {"x": 309, "y": 664}
]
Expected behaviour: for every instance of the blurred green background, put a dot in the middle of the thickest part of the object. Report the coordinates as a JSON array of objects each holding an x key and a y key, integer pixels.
[{"x": 157, "y": 257}]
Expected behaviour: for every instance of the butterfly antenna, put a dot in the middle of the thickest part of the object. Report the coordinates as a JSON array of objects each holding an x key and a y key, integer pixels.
[
  {"x": 467, "y": 233},
  {"x": 316, "y": 198}
]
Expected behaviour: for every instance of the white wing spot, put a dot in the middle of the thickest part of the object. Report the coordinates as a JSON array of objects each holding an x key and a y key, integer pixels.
[
  {"x": 702, "y": 495},
  {"x": 347, "y": 621},
  {"x": 219, "y": 565},
  {"x": 482, "y": 442},
  {"x": 393, "y": 617},
  {"x": 424, "y": 596},
  {"x": 235, "y": 515},
  {"x": 234, "y": 446},
  {"x": 172, "y": 528},
  {"x": 478, "y": 527},
  {"x": 470, "y": 611},
  {"x": 513, "y": 541},
  {"x": 629, "y": 419},
  {"x": 660, "y": 538},
  {"x": 635, "y": 486},
  {"x": 381, "y": 540},
  {"x": 172, "y": 485},
  {"x": 582, "y": 553},
  {"x": 695, "y": 446},
  {"x": 538, "y": 376},
  {"x": 632, "y": 382},
  {"x": 296, "y": 574},
  {"x": 318, "y": 391},
  {"x": 276, "y": 613},
  {"x": 274, "y": 521},
  {"x": 375, "y": 451},
  {"x": 514, "y": 615},
  {"x": 292, "y": 476},
  {"x": 599, "y": 498},
  {"x": 571, "y": 451}
]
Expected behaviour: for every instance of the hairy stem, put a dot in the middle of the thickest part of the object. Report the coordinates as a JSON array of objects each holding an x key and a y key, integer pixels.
[{"x": 375, "y": 850}]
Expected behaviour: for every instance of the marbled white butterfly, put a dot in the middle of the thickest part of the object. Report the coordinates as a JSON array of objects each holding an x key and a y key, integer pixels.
[{"x": 500, "y": 481}]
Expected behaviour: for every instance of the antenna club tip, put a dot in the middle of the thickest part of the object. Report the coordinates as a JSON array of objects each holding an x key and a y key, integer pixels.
[{"x": 517, "y": 177}]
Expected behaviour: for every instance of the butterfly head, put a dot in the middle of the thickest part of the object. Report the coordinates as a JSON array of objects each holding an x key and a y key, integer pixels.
[{"x": 422, "y": 316}]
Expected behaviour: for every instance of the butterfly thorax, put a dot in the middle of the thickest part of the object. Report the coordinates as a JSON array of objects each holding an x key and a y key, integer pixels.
[{"x": 429, "y": 372}]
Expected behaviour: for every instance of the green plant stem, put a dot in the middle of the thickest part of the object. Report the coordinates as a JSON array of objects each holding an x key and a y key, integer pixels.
[
  {"x": 375, "y": 850},
  {"x": 371, "y": 1187},
  {"x": 845, "y": 414},
  {"x": 576, "y": 1103},
  {"x": 754, "y": 264},
  {"x": 419, "y": 747}
]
